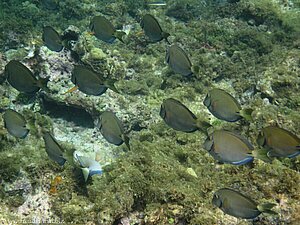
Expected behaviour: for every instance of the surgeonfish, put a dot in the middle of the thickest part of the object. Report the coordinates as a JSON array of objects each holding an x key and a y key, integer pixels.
[
  {"x": 15, "y": 123},
  {"x": 224, "y": 106},
  {"x": 90, "y": 82},
  {"x": 53, "y": 149},
  {"x": 22, "y": 79},
  {"x": 179, "y": 117},
  {"x": 112, "y": 129},
  {"x": 228, "y": 147},
  {"x": 89, "y": 166},
  {"x": 178, "y": 60},
  {"x": 234, "y": 203},
  {"x": 52, "y": 39},
  {"x": 279, "y": 142},
  {"x": 152, "y": 29},
  {"x": 104, "y": 30}
]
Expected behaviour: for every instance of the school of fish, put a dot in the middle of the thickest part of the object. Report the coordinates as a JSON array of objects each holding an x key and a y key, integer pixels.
[{"x": 223, "y": 145}]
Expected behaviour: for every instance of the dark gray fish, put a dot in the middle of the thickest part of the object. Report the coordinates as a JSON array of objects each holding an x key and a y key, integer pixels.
[
  {"x": 53, "y": 149},
  {"x": 178, "y": 60},
  {"x": 228, "y": 147},
  {"x": 89, "y": 82},
  {"x": 279, "y": 142},
  {"x": 238, "y": 205},
  {"x": 52, "y": 39},
  {"x": 104, "y": 30},
  {"x": 112, "y": 129},
  {"x": 222, "y": 105},
  {"x": 89, "y": 166},
  {"x": 178, "y": 116},
  {"x": 15, "y": 123},
  {"x": 22, "y": 79},
  {"x": 152, "y": 29}
]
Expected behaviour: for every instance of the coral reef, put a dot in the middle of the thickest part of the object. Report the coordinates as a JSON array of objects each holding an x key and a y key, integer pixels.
[{"x": 248, "y": 48}]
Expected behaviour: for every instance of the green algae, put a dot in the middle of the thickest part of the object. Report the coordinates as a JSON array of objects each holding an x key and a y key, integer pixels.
[{"x": 143, "y": 179}]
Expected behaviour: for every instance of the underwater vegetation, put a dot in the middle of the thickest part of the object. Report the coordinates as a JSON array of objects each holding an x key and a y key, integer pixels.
[{"x": 150, "y": 112}]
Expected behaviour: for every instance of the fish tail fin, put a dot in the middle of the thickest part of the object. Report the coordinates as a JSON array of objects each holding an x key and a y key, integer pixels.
[
  {"x": 267, "y": 208},
  {"x": 42, "y": 83},
  {"x": 262, "y": 155},
  {"x": 195, "y": 69},
  {"x": 119, "y": 35},
  {"x": 68, "y": 155},
  {"x": 126, "y": 141},
  {"x": 246, "y": 114},
  {"x": 3, "y": 77},
  {"x": 165, "y": 36},
  {"x": 111, "y": 85},
  {"x": 86, "y": 173},
  {"x": 203, "y": 126}
]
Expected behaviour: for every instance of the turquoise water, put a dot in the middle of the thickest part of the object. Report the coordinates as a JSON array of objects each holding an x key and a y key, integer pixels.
[{"x": 250, "y": 49}]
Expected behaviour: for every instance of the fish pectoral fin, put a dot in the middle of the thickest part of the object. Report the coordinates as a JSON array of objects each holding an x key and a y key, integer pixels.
[
  {"x": 225, "y": 203},
  {"x": 71, "y": 90},
  {"x": 246, "y": 114}
]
